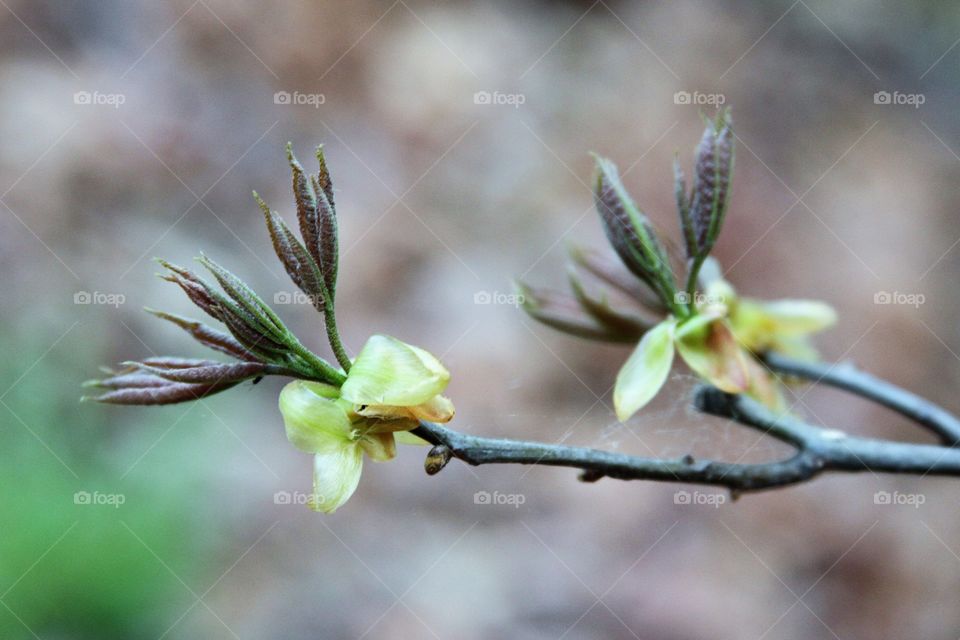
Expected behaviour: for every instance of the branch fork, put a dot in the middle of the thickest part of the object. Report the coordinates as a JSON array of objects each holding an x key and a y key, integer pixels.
[{"x": 817, "y": 449}]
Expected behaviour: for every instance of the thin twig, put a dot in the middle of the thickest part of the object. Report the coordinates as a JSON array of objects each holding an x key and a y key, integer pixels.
[
  {"x": 847, "y": 377},
  {"x": 818, "y": 449}
]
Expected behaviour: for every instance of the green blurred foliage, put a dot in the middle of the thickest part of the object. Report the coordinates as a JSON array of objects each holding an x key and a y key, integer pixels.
[{"x": 88, "y": 570}]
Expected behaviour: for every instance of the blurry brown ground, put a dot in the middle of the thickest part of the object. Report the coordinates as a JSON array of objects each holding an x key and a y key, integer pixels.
[{"x": 440, "y": 199}]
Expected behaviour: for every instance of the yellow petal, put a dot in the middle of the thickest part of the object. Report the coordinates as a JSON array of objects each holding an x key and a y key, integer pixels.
[
  {"x": 396, "y": 424},
  {"x": 645, "y": 371},
  {"x": 379, "y": 446},
  {"x": 798, "y": 348},
  {"x": 405, "y": 437},
  {"x": 760, "y": 324},
  {"x": 314, "y": 420},
  {"x": 393, "y": 373},
  {"x": 436, "y": 409},
  {"x": 336, "y": 474},
  {"x": 709, "y": 347},
  {"x": 765, "y": 388}
]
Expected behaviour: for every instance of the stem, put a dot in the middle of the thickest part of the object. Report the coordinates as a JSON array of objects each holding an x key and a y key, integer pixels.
[
  {"x": 333, "y": 336},
  {"x": 330, "y": 374},
  {"x": 818, "y": 449},
  {"x": 692, "y": 275}
]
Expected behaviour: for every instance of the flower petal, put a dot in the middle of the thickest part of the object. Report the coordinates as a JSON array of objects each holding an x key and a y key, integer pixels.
[
  {"x": 709, "y": 347},
  {"x": 379, "y": 446},
  {"x": 645, "y": 371},
  {"x": 336, "y": 474},
  {"x": 798, "y": 347},
  {"x": 759, "y": 324},
  {"x": 765, "y": 388},
  {"x": 405, "y": 437},
  {"x": 381, "y": 419},
  {"x": 315, "y": 421},
  {"x": 390, "y": 372},
  {"x": 436, "y": 409}
]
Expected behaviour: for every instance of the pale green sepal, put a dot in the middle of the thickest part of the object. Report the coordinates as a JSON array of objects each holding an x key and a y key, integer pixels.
[
  {"x": 314, "y": 420},
  {"x": 645, "y": 371},
  {"x": 336, "y": 474}
]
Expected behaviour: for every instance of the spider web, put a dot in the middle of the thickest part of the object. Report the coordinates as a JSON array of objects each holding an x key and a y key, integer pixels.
[{"x": 671, "y": 427}]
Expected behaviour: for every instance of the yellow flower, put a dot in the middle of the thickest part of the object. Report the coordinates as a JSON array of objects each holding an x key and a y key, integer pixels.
[
  {"x": 389, "y": 389},
  {"x": 705, "y": 342},
  {"x": 776, "y": 325},
  {"x": 721, "y": 344}
]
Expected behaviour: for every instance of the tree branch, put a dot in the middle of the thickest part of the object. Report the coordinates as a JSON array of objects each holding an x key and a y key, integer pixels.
[
  {"x": 849, "y": 378},
  {"x": 818, "y": 449}
]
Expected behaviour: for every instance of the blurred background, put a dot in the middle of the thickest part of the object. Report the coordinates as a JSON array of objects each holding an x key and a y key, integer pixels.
[{"x": 458, "y": 137}]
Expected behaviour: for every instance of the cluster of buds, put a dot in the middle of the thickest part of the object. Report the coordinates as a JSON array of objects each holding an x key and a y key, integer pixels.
[
  {"x": 260, "y": 342},
  {"x": 719, "y": 336},
  {"x": 338, "y": 411}
]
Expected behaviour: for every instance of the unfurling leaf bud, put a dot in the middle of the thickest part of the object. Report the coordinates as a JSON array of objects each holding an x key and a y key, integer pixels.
[
  {"x": 207, "y": 336},
  {"x": 711, "y": 187},
  {"x": 165, "y": 393},
  {"x": 630, "y": 232},
  {"x": 329, "y": 243},
  {"x": 297, "y": 261},
  {"x": 317, "y": 217},
  {"x": 628, "y": 325},
  {"x": 609, "y": 272},
  {"x": 565, "y": 313},
  {"x": 207, "y": 372}
]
